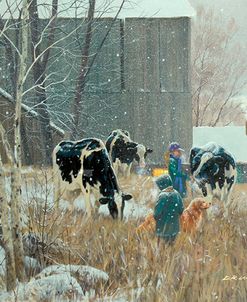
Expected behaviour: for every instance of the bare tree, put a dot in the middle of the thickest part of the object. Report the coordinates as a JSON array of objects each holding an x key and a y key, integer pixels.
[
  {"x": 16, "y": 171},
  {"x": 48, "y": 45},
  {"x": 86, "y": 65},
  {"x": 39, "y": 68},
  {"x": 11, "y": 220},
  {"x": 7, "y": 241},
  {"x": 219, "y": 71},
  {"x": 83, "y": 69}
]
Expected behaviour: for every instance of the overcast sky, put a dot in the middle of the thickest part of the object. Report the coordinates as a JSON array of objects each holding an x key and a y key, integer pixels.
[{"x": 229, "y": 8}]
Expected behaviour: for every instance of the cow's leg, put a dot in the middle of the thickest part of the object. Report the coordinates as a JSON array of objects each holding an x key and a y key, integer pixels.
[
  {"x": 231, "y": 176},
  {"x": 227, "y": 201},
  {"x": 56, "y": 195},
  {"x": 96, "y": 206},
  {"x": 115, "y": 168},
  {"x": 56, "y": 188},
  {"x": 124, "y": 168},
  {"x": 128, "y": 170},
  {"x": 224, "y": 199},
  {"x": 87, "y": 201},
  {"x": 209, "y": 198}
]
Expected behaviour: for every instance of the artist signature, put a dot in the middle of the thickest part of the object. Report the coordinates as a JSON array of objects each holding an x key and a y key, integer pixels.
[{"x": 235, "y": 278}]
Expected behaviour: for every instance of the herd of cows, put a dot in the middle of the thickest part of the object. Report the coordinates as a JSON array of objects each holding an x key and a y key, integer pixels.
[{"x": 90, "y": 167}]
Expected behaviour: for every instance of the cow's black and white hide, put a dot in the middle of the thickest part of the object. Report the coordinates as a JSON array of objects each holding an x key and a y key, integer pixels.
[
  {"x": 84, "y": 166},
  {"x": 123, "y": 152},
  {"x": 214, "y": 171}
]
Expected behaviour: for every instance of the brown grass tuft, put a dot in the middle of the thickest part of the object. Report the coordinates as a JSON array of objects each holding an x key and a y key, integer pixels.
[{"x": 191, "y": 270}]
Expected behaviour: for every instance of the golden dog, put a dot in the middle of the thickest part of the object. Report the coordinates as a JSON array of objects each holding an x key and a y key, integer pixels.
[{"x": 191, "y": 217}]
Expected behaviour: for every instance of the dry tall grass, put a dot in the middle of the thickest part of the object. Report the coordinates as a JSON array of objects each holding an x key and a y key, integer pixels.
[{"x": 191, "y": 270}]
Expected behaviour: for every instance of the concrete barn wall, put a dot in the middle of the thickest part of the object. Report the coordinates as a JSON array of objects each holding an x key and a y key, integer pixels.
[
  {"x": 154, "y": 103},
  {"x": 30, "y": 133},
  {"x": 140, "y": 80}
]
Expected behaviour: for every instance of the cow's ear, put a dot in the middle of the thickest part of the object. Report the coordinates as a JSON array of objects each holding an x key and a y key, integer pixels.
[
  {"x": 194, "y": 151},
  {"x": 104, "y": 200},
  {"x": 131, "y": 145},
  {"x": 127, "y": 196},
  {"x": 148, "y": 150},
  {"x": 218, "y": 160}
]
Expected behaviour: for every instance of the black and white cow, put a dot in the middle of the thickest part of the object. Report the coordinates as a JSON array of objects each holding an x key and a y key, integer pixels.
[
  {"x": 84, "y": 166},
  {"x": 123, "y": 151},
  {"x": 214, "y": 171}
]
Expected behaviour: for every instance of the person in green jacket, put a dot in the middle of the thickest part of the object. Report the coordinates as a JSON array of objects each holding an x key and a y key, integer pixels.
[
  {"x": 167, "y": 211},
  {"x": 174, "y": 165}
]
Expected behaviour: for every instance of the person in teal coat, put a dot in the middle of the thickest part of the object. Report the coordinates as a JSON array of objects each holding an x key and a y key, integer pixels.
[
  {"x": 167, "y": 211},
  {"x": 175, "y": 169}
]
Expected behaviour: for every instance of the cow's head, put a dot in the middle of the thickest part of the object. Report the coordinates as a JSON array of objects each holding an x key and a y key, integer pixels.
[
  {"x": 116, "y": 204},
  {"x": 212, "y": 169},
  {"x": 209, "y": 171},
  {"x": 119, "y": 132},
  {"x": 141, "y": 154},
  {"x": 121, "y": 205},
  {"x": 195, "y": 158}
]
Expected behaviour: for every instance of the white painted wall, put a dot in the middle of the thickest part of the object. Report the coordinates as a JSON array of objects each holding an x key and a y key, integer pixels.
[{"x": 233, "y": 138}]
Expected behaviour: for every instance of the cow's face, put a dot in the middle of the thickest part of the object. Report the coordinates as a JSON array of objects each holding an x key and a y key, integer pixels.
[
  {"x": 112, "y": 206},
  {"x": 120, "y": 202},
  {"x": 126, "y": 132},
  {"x": 119, "y": 132},
  {"x": 141, "y": 154},
  {"x": 210, "y": 167},
  {"x": 195, "y": 158},
  {"x": 125, "y": 197},
  {"x": 148, "y": 151},
  {"x": 116, "y": 205}
]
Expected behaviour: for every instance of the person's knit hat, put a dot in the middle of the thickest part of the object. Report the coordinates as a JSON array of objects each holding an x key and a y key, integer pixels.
[
  {"x": 164, "y": 181},
  {"x": 174, "y": 146}
]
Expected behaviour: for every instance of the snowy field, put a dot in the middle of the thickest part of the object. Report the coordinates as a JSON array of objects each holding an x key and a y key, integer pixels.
[
  {"x": 72, "y": 258},
  {"x": 38, "y": 187}
]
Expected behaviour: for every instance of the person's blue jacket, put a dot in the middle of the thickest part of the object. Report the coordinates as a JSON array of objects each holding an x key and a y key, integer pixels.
[
  {"x": 177, "y": 175},
  {"x": 167, "y": 211}
]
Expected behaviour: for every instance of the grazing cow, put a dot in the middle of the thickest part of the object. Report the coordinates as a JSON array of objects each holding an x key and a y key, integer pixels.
[
  {"x": 214, "y": 171},
  {"x": 85, "y": 166},
  {"x": 123, "y": 151}
]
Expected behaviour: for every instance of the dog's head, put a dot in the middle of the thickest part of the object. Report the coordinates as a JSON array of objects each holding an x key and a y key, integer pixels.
[{"x": 200, "y": 204}]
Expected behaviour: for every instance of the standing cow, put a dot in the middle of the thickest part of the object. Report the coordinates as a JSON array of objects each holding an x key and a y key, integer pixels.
[
  {"x": 214, "y": 171},
  {"x": 84, "y": 166},
  {"x": 123, "y": 151}
]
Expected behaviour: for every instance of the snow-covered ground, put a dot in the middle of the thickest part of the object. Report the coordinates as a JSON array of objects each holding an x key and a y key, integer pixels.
[
  {"x": 35, "y": 190},
  {"x": 54, "y": 283}
]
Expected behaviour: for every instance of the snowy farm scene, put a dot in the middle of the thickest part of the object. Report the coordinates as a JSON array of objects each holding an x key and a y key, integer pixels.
[{"x": 123, "y": 150}]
